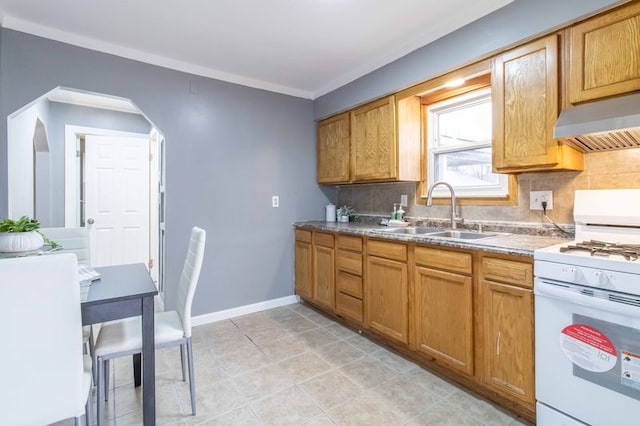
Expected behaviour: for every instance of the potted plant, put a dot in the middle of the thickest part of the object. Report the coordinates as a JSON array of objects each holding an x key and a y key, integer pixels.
[
  {"x": 21, "y": 235},
  {"x": 344, "y": 212}
]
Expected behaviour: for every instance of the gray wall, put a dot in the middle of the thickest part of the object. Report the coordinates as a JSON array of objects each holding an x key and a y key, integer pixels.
[
  {"x": 517, "y": 21},
  {"x": 61, "y": 114},
  {"x": 229, "y": 148}
]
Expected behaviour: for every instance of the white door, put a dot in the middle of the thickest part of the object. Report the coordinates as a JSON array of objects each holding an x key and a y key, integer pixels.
[{"x": 116, "y": 196}]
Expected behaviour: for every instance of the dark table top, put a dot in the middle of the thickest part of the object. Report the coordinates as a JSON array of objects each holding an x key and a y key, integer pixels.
[{"x": 121, "y": 282}]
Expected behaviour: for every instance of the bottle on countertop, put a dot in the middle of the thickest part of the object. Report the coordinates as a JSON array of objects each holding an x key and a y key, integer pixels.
[
  {"x": 394, "y": 215},
  {"x": 330, "y": 211},
  {"x": 400, "y": 213}
]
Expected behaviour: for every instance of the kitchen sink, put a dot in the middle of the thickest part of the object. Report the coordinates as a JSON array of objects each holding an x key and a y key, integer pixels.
[
  {"x": 412, "y": 230},
  {"x": 462, "y": 235}
]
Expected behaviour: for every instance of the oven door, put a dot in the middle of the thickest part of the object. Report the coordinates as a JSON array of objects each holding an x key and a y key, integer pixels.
[{"x": 587, "y": 353}]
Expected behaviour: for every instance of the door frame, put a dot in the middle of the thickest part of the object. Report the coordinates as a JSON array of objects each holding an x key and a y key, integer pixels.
[{"x": 72, "y": 185}]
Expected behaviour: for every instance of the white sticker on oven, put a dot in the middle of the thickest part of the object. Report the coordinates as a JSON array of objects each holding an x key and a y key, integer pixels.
[
  {"x": 588, "y": 348},
  {"x": 630, "y": 370}
]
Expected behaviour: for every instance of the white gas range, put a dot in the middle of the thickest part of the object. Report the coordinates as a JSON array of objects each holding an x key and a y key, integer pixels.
[{"x": 587, "y": 310}]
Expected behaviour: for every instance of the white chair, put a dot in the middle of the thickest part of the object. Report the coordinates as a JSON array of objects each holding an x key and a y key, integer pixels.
[
  {"x": 72, "y": 240},
  {"x": 172, "y": 328},
  {"x": 76, "y": 241},
  {"x": 43, "y": 376}
]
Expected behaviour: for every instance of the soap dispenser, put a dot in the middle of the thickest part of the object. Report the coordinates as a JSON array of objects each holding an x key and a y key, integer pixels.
[
  {"x": 394, "y": 215},
  {"x": 400, "y": 213}
]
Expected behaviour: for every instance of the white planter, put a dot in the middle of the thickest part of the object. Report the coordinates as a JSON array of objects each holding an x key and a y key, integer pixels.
[{"x": 16, "y": 242}]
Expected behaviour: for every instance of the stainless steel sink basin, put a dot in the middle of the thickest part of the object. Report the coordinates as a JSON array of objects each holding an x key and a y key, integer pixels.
[
  {"x": 411, "y": 230},
  {"x": 462, "y": 235}
]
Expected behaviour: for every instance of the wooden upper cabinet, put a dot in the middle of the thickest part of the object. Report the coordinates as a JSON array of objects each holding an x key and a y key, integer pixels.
[
  {"x": 376, "y": 142},
  {"x": 334, "y": 149},
  {"x": 604, "y": 55},
  {"x": 525, "y": 98},
  {"x": 373, "y": 148}
]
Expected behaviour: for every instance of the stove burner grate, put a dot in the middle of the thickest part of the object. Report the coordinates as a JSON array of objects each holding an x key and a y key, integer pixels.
[{"x": 599, "y": 248}]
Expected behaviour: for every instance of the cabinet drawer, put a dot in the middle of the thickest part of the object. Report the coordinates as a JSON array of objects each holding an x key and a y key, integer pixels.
[
  {"x": 387, "y": 250},
  {"x": 302, "y": 235},
  {"x": 349, "y": 243},
  {"x": 444, "y": 259},
  {"x": 322, "y": 239},
  {"x": 508, "y": 271},
  {"x": 350, "y": 262},
  {"x": 350, "y": 284},
  {"x": 349, "y": 307}
]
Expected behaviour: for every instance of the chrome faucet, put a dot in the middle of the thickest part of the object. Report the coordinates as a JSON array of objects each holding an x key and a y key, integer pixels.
[{"x": 453, "y": 200}]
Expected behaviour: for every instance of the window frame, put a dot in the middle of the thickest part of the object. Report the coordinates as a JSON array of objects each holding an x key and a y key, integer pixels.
[
  {"x": 432, "y": 111},
  {"x": 478, "y": 76}
]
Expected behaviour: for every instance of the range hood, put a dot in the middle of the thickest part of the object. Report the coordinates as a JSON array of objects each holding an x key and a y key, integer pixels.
[{"x": 602, "y": 125}]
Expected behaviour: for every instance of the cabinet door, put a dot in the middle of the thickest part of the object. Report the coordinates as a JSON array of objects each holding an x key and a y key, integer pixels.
[
  {"x": 304, "y": 276},
  {"x": 444, "y": 317},
  {"x": 373, "y": 141},
  {"x": 387, "y": 298},
  {"x": 524, "y": 84},
  {"x": 324, "y": 276},
  {"x": 605, "y": 55},
  {"x": 334, "y": 149},
  {"x": 508, "y": 340}
]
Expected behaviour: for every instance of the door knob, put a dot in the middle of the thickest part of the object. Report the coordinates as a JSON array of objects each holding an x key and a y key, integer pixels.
[{"x": 90, "y": 221}]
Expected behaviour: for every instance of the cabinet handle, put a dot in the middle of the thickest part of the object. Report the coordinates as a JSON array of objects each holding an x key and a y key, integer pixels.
[{"x": 498, "y": 343}]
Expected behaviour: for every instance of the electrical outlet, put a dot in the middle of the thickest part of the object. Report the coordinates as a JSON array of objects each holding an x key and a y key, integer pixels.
[
  {"x": 537, "y": 197},
  {"x": 275, "y": 201},
  {"x": 403, "y": 200}
]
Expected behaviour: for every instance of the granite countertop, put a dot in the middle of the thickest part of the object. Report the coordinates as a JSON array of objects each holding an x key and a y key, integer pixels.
[{"x": 507, "y": 243}]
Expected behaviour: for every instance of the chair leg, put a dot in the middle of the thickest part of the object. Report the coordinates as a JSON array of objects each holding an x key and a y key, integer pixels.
[
  {"x": 92, "y": 352},
  {"x": 107, "y": 365},
  {"x": 101, "y": 393},
  {"x": 192, "y": 384},
  {"x": 182, "y": 362},
  {"x": 88, "y": 411}
]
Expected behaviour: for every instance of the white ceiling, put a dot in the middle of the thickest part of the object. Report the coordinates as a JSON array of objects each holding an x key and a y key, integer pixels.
[{"x": 303, "y": 48}]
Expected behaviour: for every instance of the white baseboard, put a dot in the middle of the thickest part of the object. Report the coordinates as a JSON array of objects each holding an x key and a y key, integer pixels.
[{"x": 244, "y": 310}]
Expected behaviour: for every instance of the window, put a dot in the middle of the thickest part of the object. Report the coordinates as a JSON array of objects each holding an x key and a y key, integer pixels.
[{"x": 459, "y": 134}]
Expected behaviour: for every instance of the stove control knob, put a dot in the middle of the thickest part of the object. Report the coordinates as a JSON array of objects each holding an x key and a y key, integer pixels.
[{"x": 604, "y": 280}]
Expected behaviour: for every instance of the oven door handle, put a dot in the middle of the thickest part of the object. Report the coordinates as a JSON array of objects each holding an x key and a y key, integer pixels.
[{"x": 545, "y": 289}]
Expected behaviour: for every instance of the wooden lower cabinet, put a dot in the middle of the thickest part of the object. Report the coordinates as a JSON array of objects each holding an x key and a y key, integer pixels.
[
  {"x": 324, "y": 276},
  {"x": 349, "y": 289},
  {"x": 304, "y": 268},
  {"x": 444, "y": 317},
  {"x": 387, "y": 298},
  {"x": 467, "y": 314},
  {"x": 508, "y": 340}
]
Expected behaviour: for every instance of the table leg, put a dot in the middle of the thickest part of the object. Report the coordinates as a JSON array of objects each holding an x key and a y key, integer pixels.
[
  {"x": 148, "y": 364},
  {"x": 137, "y": 363}
]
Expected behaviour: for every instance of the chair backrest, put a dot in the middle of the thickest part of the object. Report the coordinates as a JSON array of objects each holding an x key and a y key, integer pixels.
[
  {"x": 72, "y": 240},
  {"x": 189, "y": 277},
  {"x": 41, "y": 358}
]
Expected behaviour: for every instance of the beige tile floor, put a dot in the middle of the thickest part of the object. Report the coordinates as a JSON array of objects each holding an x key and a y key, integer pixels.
[{"x": 293, "y": 366}]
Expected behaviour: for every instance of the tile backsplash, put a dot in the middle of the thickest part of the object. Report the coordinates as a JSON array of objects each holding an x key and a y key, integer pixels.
[{"x": 604, "y": 170}]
